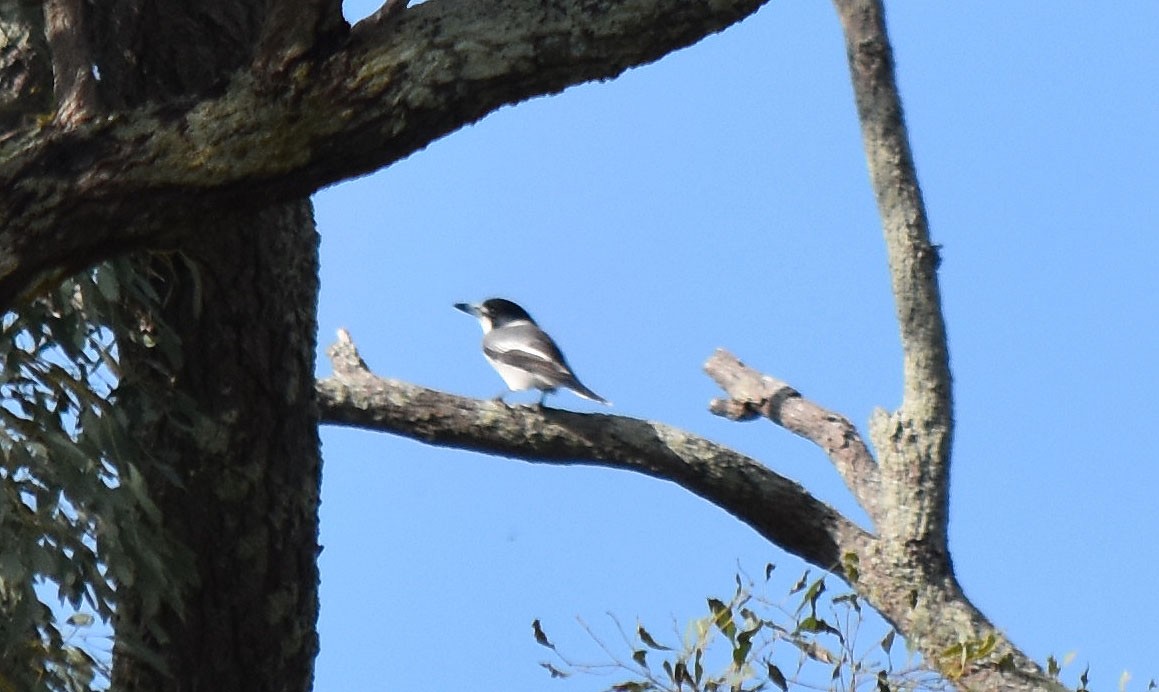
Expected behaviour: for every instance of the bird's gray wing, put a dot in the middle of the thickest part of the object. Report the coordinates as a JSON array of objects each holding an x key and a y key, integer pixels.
[{"x": 527, "y": 347}]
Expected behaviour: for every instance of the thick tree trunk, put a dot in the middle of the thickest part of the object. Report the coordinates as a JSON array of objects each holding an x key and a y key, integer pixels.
[
  {"x": 241, "y": 296},
  {"x": 249, "y": 467}
]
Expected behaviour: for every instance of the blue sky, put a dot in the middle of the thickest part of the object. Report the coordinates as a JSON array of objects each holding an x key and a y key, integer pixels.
[{"x": 719, "y": 198}]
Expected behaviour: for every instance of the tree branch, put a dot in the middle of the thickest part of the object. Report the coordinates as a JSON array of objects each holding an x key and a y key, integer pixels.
[
  {"x": 909, "y": 577},
  {"x": 920, "y": 600},
  {"x": 776, "y": 507},
  {"x": 914, "y": 444},
  {"x": 294, "y": 28},
  {"x": 751, "y": 394},
  {"x": 74, "y": 85},
  {"x": 443, "y": 64}
]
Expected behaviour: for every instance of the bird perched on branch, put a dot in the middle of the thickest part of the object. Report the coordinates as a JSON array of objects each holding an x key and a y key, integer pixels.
[{"x": 522, "y": 353}]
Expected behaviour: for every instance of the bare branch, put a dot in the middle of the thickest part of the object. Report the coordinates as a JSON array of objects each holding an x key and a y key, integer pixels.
[
  {"x": 776, "y": 507},
  {"x": 444, "y": 64},
  {"x": 910, "y": 579},
  {"x": 758, "y": 394},
  {"x": 918, "y": 596},
  {"x": 74, "y": 85},
  {"x": 913, "y": 445}
]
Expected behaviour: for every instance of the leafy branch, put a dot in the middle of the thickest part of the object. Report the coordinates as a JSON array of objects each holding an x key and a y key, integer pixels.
[{"x": 810, "y": 639}]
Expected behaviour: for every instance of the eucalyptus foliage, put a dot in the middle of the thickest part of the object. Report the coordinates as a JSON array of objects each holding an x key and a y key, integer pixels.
[
  {"x": 809, "y": 640},
  {"x": 76, "y": 522}
]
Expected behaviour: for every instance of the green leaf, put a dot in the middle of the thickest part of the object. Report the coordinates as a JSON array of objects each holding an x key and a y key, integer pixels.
[
  {"x": 722, "y": 618},
  {"x": 985, "y": 647},
  {"x": 851, "y": 599},
  {"x": 818, "y": 625},
  {"x": 800, "y": 583},
  {"x": 80, "y": 619},
  {"x": 744, "y": 644},
  {"x": 648, "y": 640},
  {"x": 12, "y": 568},
  {"x": 540, "y": 637},
  {"x": 640, "y": 657},
  {"x": 882, "y": 681},
  {"x": 1006, "y": 663},
  {"x": 107, "y": 284},
  {"x": 887, "y": 641},
  {"x": 851, "y": 564},
  {"x": 632, "y": 686},
  {"x": 811, "y": 595},
  {"x": 777, "y": 677},
  {"x": 819, "y": 653}
]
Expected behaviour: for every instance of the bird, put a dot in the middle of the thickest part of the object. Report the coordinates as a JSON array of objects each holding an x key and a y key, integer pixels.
[{"x": 522, "y": 353}]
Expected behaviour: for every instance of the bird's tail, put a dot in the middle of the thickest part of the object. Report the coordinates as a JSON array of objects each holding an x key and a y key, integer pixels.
[{"x": 578, "y": 387}]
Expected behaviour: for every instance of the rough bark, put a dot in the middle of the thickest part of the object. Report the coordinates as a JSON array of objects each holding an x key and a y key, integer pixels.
[
  {"x": 74, "y": 86},
  {"x": 239, "y": 137},
  {"x": 241, "y": 297},
  {"x": 249, "y": 469},
  {"x": 914, "y": 443},
  {"x": 910, "y": 577}
]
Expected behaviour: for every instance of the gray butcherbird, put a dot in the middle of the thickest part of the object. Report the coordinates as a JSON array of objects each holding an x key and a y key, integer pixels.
[{"x": 522, "y": 353}]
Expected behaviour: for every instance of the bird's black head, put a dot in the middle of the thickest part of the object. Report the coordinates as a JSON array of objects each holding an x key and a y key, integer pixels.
[
  {"x": 502, "y": 311},
  {"x": 495, "y": 312}
]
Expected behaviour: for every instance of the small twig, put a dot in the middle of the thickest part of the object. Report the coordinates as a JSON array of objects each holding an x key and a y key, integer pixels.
[{"x": 345, "y": 358}]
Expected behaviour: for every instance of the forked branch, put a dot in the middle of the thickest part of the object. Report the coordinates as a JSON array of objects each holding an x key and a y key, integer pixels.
[{"x": 913, "y": 445}]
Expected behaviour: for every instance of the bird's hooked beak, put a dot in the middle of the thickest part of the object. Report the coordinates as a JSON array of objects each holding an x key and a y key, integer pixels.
[{"x": 472, "y": 310}]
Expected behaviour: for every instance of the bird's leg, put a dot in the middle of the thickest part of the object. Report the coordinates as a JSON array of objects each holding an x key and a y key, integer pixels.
[{"x": 498, "y": 398}]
